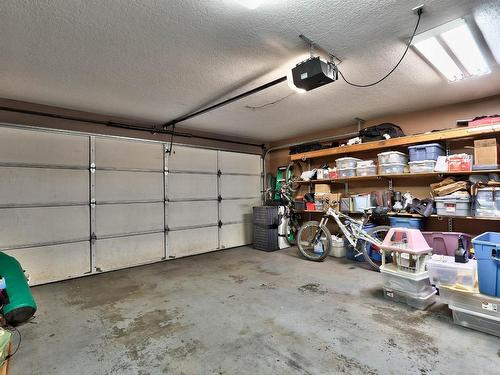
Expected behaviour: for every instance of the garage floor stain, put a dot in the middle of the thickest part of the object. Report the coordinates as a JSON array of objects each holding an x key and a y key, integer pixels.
[{"x": 242, "y": 311}]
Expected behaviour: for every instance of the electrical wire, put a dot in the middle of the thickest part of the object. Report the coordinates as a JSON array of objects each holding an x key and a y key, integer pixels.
[
  {"x": 14, "y": 329},
  {"x": 270, "y": 103},
  {"x": 419, "y": 13}
]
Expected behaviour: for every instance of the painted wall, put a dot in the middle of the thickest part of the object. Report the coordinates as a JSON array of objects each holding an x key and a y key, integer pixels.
[{"x": 46, "y": 122}]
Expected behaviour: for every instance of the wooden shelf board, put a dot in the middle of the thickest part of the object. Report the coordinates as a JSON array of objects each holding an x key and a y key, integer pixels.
[
  {"x": 398, "y": 176},
  {"x": 400, "y": 142}
]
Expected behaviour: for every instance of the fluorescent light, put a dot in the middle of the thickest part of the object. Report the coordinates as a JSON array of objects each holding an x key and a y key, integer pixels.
[
  {"x": 289, "y": 81},
  {"x": 452, "y": 49},
  {"x": 463, "y": 45},
  {"x": 437, "y": 56},
  {"x": 250, "y": 4}
]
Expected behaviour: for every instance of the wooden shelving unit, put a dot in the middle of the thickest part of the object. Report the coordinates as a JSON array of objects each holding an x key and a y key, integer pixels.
[
  {"x": 399, "y": 176},
  {"x": 445, "y": 135}
]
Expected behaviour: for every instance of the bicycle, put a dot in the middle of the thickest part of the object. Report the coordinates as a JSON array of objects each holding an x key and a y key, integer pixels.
[{"x": 314, "y": 239}]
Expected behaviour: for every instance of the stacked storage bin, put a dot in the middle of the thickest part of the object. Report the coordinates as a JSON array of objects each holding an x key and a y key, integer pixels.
[
  {"x": 265, "y": 229},
  {"x": 423, "y": 157},
  {"x": 458, "y": 288},
  {"x": 487, "y": 202},
  {"x": 406, "y": 279},
  {"x": 392, "y": 162},
  {"x": 346, "y": 167}
]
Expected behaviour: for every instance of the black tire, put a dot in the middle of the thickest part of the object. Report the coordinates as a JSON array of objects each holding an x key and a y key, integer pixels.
[
  {"x": 325, "y": 236},
  {"x": 295, "y": 170},
  {"x": 377, "y": 232}
]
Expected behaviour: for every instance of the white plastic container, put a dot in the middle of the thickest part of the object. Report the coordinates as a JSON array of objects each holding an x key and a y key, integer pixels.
[
  {"x": 420, "y": 302},
  {"x": 474, "y": 320},
  {"x": 444, "y": 271},
  {"x": 338, "y": 249},
  {"x": 361, "y": 202},
  {"x": 392, "y": 157},
  {"x": 453, "y": 205},
  {"x": 346, "y": 172},
  {"x": 346, "y": 162},
  {"x": 423, "y": 166},
  {"x": 391, "y": 168},
  {"x": 415, "y": 284},
  {"x": 472, "y": 301},
  {"x": 365, "y": 163},
  {"x": 370, "y": 170}
]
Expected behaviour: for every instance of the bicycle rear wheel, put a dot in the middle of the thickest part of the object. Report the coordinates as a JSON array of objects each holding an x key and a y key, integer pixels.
[
  {"x": 314, "y": 241},
  {"x": 371, "y": 252}
]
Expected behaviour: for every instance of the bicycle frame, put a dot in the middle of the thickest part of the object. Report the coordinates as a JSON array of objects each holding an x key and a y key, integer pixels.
[{"x": 355, "y": 234}]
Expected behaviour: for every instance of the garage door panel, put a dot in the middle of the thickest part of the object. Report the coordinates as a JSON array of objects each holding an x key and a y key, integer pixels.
[
  {"x": 233, "y": 162},
  {"x": 182, "y": 243},
  {"x": 43, "y": 186},
  {"x": 192, "y": 159},
  {"x": 115, "y": 253},
  {"x": 23, "y": 146},
  {"x": 116, "y": 219},
  {"x": 38, "y": 225},
  {"x": 125, "y": 154},
  {"x": 53, "y": 263},
  {"x": 238, "y": 209},
  {"x": 233, "y": 235},
  {"x": 185, "y": 214},
  {"x": 240, "y": 186},
  {"x": 116, "y": 186},
  {"x": 191, "y": 186}
]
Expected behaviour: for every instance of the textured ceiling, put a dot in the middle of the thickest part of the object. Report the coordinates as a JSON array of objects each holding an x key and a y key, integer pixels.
[{"x": 158, "y": 59}]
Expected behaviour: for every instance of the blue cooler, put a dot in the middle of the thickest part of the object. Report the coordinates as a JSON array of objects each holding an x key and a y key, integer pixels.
[{"x": 487, "y": 250}]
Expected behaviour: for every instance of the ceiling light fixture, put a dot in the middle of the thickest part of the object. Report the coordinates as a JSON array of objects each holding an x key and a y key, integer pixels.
[
  {"x": 452, "y": 50},
  {"x": 250, "y": 4}
]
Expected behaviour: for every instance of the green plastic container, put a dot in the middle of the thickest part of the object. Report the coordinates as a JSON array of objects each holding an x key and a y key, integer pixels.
[{"x": 21, "y": 305}]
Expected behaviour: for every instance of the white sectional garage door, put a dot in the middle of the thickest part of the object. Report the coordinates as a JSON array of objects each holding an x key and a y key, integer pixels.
[
  {"x": 240, "y": 188},
  {"x": 45, "y": 202},
  {"x": 73, "y": 204}
]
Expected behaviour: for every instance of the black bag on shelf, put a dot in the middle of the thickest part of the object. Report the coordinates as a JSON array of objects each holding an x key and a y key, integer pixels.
[
  {"x": 305, "y": 148},
  {"x": 380, "y": 132}
]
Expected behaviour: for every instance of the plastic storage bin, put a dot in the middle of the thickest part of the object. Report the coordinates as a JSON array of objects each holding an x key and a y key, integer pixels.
[
  {"x": 452, "y": 205},
  {"x": 345, "y": 204},
  {"x": 347, "y": 162},
  {"x": 424, "y": 166},
  {"x": 346, "y": 172},
  {"x": 472, "y": 301},
  {"x": 391, "y": 168},
  {"x": 444, "y": 271},
  {"x": 487, "y": 250},
  {"x": 487, "y": 202},
  {"x": 417, "y": 284},
  {"x": 416, "y": 301},
  {"x": 392, "y": 157},
  {"x": 429, "y": 151},
  {"x": 265, "y": 215},
  {"x": 477, "y": 321},
  {"x": 366, "y": 171},
  {"x": 361, "y": 202},
  {"x": 445, "y": 243},
  {"x": 406, "y": 222}
]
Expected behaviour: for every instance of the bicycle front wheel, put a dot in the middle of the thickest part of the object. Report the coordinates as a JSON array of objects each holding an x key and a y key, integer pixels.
[
  {"x": 314, "y": 241},
  {"x": 371, "y": 251}
]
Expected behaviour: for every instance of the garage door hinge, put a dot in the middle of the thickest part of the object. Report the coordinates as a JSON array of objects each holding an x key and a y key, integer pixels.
[
  {"x": 92, "y": 167},
  {"x": 219, "y": 224},
  {"x": 219, "y": 198},
  {"x": 219, "y": 173},
  {"x": 93, "y": 238},
  {"x": 167, "y": 229}
]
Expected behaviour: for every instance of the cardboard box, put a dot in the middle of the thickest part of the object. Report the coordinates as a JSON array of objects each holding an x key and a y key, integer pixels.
[
  {"x": 486, "y": 152},
  {"x": 322, "y": 189}
]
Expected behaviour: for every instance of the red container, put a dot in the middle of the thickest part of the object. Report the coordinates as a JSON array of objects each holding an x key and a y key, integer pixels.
[
  {"x": 459, "y": 163},
  {"x": 310, "y": 206},
  {"x": 333, "y": 175}
]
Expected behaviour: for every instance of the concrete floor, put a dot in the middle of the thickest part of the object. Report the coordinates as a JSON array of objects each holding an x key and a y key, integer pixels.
[{"x": 243, "y": 311}]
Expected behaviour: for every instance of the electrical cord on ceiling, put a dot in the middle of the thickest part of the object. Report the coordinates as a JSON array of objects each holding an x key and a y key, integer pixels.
[
  {"x": 268, "y": 104},
  {"x": 419, "y": 13}
]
